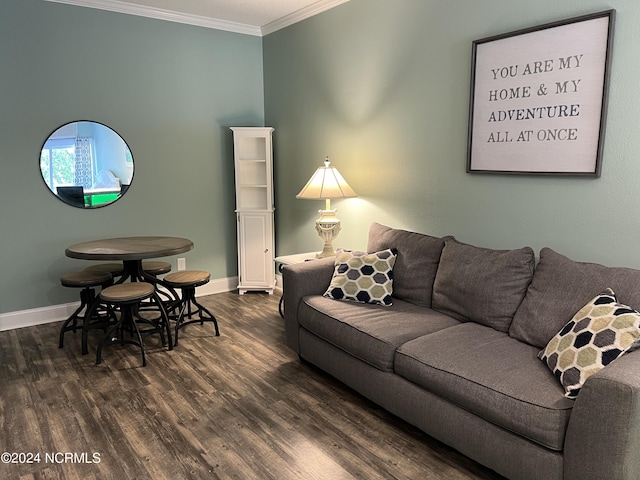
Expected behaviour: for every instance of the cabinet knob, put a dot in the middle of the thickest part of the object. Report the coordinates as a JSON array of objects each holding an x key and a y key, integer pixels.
[{"x": 266, "y": 250}]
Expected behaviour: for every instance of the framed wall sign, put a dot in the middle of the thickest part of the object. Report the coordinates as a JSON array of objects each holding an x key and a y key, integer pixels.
[{"x": 539, "y": 97}]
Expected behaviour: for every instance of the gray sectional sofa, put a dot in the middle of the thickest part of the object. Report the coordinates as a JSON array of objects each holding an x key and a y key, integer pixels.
[{"x": 457, "y": 353}]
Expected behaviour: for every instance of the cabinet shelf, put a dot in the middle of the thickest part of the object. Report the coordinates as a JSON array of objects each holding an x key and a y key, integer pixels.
[{"x": 254, "y": 210}]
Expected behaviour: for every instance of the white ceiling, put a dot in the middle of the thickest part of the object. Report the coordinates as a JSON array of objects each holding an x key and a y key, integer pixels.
[{"x": 254, "y": 17}]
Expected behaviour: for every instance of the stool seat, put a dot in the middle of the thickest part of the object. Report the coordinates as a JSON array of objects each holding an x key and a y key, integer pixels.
[
  {"x": 187, "y": 278},
  {"x": 127, "y": 292},
  {"x": 155, "y": 267},
  {"x": 115, "y": 269},
  {"x": 85, "y": 279}
]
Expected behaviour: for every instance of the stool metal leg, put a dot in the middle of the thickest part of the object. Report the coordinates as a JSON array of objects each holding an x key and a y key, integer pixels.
[
  {"x": 165, "y": 319},
  {"x": 189, "y": 301},
  {"x": 95, "y": 320},
  {"x": 85, "y": 326},
  {"x": 126, "y": 320},
  {"x": 130, "y": 316},
  {"x": 87, "y": 296},
  {"x": 160, "y": 324}
]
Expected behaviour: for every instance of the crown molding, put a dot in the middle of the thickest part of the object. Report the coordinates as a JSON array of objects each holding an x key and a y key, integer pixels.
[
  {"x": 302, "y": 14},
  {"x": 207, "y": 22},
  {"x": 168, "y": 15}
]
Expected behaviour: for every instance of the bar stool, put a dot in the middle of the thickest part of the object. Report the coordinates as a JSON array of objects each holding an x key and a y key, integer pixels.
[
  {"x": 155, "y": 268},
  {"x": 115, "y": 269},
  {"x": 87, "y": 281},
  {"x": 127, "y": 297},
  {"x": 187, "y": 281}
]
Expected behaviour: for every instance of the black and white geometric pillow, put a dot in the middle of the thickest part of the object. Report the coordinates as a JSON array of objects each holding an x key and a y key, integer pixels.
[
  {"x": 600, "y": 332},
  {"x": 363, "y": 277}
]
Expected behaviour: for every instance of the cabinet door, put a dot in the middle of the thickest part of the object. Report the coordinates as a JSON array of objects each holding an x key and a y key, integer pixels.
[
  {"x": 253, "y": 157},
  {"x": 255, "y": 245}
]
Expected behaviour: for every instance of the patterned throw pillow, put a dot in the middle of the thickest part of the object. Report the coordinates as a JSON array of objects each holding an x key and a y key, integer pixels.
[
  {"x": 363, "y": 277},
  {"x": 599, "y": 333}
]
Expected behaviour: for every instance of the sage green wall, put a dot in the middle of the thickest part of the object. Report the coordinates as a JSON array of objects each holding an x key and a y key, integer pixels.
[
  {"x": 170, "y": 90},
  {"x": 382, "y": 87}
]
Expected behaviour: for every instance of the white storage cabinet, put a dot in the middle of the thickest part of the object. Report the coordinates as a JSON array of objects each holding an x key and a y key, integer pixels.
[{"x": 253, "y": 158}]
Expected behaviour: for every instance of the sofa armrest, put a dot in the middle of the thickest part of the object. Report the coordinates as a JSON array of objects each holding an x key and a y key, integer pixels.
[
  {"x": 298, "y": 281},
  {"x": 603, "y": 435}
]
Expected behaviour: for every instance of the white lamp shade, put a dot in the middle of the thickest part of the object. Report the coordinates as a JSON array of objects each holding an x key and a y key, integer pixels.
[{"x": 325, "y": 183}]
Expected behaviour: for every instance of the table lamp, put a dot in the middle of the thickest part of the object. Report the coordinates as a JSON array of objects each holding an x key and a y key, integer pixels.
[{"x": 327, "y": 183}]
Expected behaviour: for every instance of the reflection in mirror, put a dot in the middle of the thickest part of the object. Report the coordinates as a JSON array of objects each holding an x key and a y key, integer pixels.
[{"x": 86, "y": 164}]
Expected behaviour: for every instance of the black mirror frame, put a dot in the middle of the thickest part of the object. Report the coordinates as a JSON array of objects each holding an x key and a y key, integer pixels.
[{"x": 74, "y": 195}]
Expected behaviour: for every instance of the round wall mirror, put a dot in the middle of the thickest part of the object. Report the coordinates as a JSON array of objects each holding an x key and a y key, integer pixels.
[{"x": 86, "y": 164}]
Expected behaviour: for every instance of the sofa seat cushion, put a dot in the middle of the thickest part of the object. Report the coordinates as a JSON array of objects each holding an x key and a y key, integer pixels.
[
  {"x": 491, "y": 375},
  {"x": 371, "y": 333}
]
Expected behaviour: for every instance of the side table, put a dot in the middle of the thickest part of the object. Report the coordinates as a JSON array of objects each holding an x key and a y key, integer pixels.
[{"x": 285, "y": 260}]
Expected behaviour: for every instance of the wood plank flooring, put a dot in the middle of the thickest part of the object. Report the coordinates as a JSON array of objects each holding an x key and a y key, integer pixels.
[{"x": 238, "y": 406}]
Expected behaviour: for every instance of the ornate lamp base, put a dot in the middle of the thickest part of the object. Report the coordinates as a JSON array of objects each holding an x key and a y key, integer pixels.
[{"x": 328, "y": 227}]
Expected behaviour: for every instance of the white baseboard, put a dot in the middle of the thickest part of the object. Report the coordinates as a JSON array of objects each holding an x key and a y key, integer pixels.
[
  {"x": 218, "y": 285},
  {"x": 36, "y": 316},
  {"x": 58, "y": 313}
]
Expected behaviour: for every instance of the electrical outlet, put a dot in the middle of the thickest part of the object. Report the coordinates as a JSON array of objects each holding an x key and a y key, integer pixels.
[{"x": 182, "y": 263}]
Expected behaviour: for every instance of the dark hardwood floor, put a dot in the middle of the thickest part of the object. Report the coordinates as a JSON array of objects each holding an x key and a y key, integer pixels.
[{"x": 237, "y": 406}]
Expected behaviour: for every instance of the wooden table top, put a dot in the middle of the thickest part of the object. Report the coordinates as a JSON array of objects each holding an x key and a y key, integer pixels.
[{"x": 129, "y": 248}]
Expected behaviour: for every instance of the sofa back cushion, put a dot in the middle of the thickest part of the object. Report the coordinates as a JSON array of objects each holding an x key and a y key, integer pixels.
[
  {"x": 560, "y": 287},
  {"x": 482, "y": 285},
  {"x": 416, "y": 262}
]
